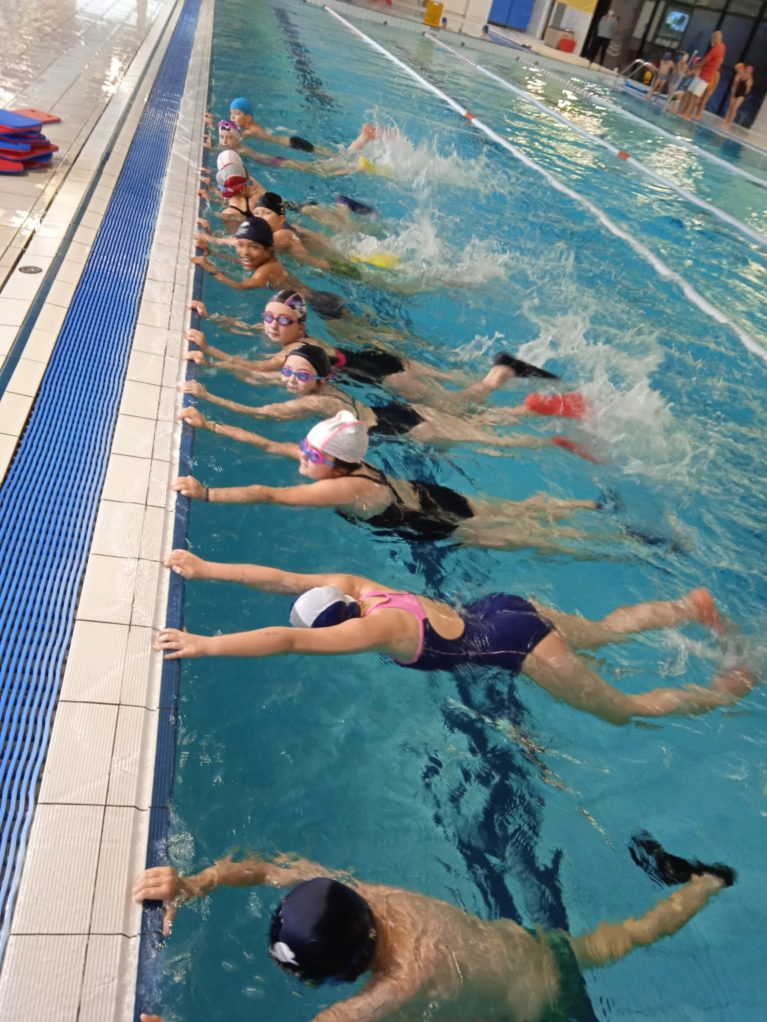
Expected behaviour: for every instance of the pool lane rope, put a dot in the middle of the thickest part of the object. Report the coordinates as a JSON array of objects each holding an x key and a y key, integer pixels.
[
  {"x": 678, "y": 140},
  {"x": 661, "y": 268},
  {"x": 715, "y": 211}
]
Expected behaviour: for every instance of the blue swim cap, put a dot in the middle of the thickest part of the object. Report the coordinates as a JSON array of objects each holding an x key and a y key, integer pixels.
[
  {"x": 323, "y": 931},
  {"x": 242, "y": 104}
]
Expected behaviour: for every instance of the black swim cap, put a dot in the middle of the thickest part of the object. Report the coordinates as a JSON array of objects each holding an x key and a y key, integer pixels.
[
  {"x": 272, "y": 201},
  {"x": 316, "y": 356},
  {"x": 323, "y": 930},
  {"x": 257, "y": 230}
]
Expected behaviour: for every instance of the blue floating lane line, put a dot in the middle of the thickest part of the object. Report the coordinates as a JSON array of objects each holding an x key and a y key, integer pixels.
[{"x": 50, "y": 497}]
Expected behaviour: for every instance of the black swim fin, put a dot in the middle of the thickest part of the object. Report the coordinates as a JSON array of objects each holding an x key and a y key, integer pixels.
[
  {"x": 522, "y": 368},
  {"x": 666, "y": 869}
]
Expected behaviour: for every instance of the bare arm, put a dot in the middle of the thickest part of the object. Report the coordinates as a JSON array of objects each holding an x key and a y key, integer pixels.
[
  {"x": 163, "y": 883},
  {"x": 267, "y": 580},
  {"x": 298, "y": 408},
  {"x": 197, "y": 420},
  {"x": 380, "y": 998},
  {"x": 239, "y": 285},
  {"x": 359, "y": 635}
]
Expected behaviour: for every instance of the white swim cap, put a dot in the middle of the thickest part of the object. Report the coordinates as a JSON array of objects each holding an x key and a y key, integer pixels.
[
  {"x": 323, "y": 606},
  {"x": 231, "y": 176},
  {"x": 231, "y": 161},
  {"x": 343, "y": 437}
]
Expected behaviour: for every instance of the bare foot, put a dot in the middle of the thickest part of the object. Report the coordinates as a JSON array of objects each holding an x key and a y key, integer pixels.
[
  {"x": 738, "y": 682},
  {"x": 704, "y": 610}
]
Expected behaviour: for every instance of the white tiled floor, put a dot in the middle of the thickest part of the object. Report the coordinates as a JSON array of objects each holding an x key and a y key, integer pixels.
[{"x": 72, "y": 953}]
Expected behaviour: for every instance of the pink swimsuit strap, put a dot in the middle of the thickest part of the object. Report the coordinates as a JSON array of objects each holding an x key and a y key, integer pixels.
[{"x": 409, "y": 603}]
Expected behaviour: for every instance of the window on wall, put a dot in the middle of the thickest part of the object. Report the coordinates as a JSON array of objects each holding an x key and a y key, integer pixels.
[{"x": 697, "y": 37}]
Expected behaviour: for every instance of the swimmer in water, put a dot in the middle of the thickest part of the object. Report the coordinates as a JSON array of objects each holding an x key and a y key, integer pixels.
[
  {"x": 333, "y": 164},
  {"x": 298, "y": 242},
  {"x": 331, "y": 457},
  {"x": 306, "y": 374},
  {"x": 339, "y": 614},
  {"x": 236, "y": 187},
  {"x": 254, "y": 245},
  {"x": 284, "y": 324},
  {"x": 241, "y": 117},
  {"x": 426, "y": 957}
]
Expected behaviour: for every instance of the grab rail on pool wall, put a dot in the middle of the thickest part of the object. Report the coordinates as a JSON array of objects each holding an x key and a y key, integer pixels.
[
  {"x": 627, "y": 74},
  {"x": 684, "y": 193},
  {"x": 661, "y": 268}
]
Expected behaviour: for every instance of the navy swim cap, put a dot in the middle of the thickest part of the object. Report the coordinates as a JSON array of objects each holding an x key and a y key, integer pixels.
[
  {"x": 323, "y": 930},
  {"x": 272, "y": 201},
  {"x": 256, "y": 230},
  {"x": 317, "y": 357}
]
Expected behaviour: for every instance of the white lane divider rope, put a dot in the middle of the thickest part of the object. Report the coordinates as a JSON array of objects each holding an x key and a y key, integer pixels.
[
  {"x": 684, "y": 143},
  {"x": 689, "y": 196},
  {"x": 661, "y": 268}
]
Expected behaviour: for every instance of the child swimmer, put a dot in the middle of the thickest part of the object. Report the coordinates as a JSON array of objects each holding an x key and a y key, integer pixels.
[
  {"x": 306, "y": 374},
  {"x": 426, "y": 957},
  {"x": 337, "y": 614}
]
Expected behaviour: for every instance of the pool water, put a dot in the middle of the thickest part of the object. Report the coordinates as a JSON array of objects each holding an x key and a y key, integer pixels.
[{"x": 488, "y": 794}]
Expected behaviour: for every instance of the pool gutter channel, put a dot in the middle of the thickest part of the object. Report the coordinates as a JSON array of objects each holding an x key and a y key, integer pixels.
[
  {"x": 62, "y": 241},
  {"x": 74, "y": 935}
]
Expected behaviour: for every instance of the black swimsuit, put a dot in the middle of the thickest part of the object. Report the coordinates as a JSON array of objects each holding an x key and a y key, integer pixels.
[
  {"x": 439, "y": 513},
  {"x": 247, "y": 212},
  {"x": 395, "y": 418},
  {"x": 740, "y": 88}
]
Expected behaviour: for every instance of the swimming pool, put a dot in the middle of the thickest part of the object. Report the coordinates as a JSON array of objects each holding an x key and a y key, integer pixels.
[{"x": 500, "y": 800}]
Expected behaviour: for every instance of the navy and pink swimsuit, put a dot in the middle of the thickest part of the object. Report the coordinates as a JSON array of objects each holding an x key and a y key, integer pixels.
[{"x": 499, "y": 631}]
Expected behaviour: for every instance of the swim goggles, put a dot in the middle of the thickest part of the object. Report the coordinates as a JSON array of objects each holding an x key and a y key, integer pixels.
[
  {"x": 300, "y": 374},
  {"x": 312, "y": 455},
  {"x": 283, "y": 320}
]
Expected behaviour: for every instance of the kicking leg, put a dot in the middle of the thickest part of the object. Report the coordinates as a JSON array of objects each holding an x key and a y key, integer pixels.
[
  {"x": 612, "y": 941},
  {"x": 697, "y": 605},
  {"x": 555, "y": 667}
]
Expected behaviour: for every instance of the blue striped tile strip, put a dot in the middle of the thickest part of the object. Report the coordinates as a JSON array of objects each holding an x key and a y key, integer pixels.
[{"x": 50, "y": 497}]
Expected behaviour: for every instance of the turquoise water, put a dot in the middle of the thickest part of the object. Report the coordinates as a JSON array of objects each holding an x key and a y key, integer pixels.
[{"x": 487, "y": 794}]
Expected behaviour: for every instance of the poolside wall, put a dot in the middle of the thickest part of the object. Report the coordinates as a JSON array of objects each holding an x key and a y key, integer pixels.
[{"x": 73, "y": 939}]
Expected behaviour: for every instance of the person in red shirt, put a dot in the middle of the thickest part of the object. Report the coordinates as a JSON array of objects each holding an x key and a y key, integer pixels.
[{"x": 702, "y": 86}]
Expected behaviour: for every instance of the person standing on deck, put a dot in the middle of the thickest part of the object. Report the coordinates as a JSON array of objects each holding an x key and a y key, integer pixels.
[
  {"x": 605, "y": 33},
  {"x": 702, "y": 86}
]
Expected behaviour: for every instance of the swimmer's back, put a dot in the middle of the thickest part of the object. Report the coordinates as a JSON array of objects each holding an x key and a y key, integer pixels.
[{"x": 468, "y": 968}]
